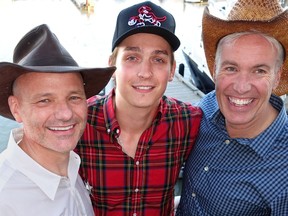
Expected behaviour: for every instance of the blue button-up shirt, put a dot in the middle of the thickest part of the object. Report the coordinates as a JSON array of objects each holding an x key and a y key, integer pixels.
[{"x": 225, "y": 176}]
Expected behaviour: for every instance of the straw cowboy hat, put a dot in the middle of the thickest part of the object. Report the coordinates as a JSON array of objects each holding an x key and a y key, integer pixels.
[
  {"x": 40, "y": 51},
  {"x": 266, "y": 16}
]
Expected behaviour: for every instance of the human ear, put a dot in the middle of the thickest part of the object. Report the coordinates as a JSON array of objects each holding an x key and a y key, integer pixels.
[{"x": 14, "y": 107}]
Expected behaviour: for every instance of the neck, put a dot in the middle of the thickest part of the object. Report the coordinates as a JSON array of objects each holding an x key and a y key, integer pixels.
[
  {"x": 53, "y": 161},
  {"x": 133, "y": 119}
]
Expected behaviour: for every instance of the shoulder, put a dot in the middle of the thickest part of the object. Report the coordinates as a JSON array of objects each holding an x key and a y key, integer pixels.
[
  {"x": 209, "y": 103},
  {"x": 209, "y": 99},
  {"x": 96, "y": 100},
  {"x": 6, "y": 172},
  {"x": 173, "y": 105},
  {"x": 283, "y": 136}
]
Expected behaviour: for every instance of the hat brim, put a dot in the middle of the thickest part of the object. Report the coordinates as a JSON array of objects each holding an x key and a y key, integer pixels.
[
  {"x": 213, "y": 29},
  {"x": 95, "y": 79},
  {"x": 167, "y": 35}
]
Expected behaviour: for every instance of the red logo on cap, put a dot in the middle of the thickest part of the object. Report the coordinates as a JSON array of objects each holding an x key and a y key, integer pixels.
[{"x": 146, "y": 15}]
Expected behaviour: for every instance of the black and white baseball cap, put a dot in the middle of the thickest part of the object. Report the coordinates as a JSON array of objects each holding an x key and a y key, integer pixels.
[{"x": 145, "y": 17}]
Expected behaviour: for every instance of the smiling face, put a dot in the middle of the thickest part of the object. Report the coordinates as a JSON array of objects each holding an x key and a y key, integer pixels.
[
  {"x": 246, "y": 73},
  {"x": 52, "y": 108},
  {"x": 144, "y": 67}
]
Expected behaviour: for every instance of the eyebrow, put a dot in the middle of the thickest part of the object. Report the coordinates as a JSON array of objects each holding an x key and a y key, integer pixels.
[
  {"x": 228, "y": 63},
  {"x": 49, "y": 94},
  {"x": 137, "y": 49},
  {"x": 261, "y": 65},
  {"x": 164, "y": 52},
  {"x": 235, "y": 64}
]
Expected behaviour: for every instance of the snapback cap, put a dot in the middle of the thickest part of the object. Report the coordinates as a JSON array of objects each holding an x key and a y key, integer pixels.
[{"x": 145, "y": 17}]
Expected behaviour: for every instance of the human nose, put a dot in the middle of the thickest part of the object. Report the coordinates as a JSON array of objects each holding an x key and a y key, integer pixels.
[
  {"x": 63, "y": 111},
  {"x": 145, "y": 70},
  {"x": 242, "y": 83}
]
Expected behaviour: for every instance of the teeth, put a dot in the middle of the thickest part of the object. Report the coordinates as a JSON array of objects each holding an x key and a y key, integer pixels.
[
  {"x": 61, "y": 128},
  {"x": 143, "y": 87},
  {"x": 240, "y": 102}
]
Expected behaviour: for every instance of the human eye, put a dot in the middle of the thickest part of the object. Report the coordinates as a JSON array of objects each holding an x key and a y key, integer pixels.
[
  {"x": 230, "y": 69},
  {"x": 76, "y": 98},
  {"x": 131, "y": 58},
  {"x": 159, "y": 60},
  {"x": 227, "y": 69},
  {"x": 260, "y": 71},
  {"x": 43, "y": 102}
]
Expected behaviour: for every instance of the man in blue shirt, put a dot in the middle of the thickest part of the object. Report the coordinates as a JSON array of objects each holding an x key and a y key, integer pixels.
[{"x": 239, "y": 165}]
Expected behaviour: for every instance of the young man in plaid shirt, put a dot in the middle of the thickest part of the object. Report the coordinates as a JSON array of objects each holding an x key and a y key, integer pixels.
[{"x": 136, "y": 139}]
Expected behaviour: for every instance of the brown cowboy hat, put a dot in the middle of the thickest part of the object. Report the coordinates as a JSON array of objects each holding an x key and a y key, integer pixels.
[
  {"x": 40, "y": 51},
  {"x": 265, "y": 16}
]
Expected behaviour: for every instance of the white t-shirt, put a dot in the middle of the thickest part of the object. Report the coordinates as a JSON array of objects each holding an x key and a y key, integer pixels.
[{"x": 28, "y": 189}]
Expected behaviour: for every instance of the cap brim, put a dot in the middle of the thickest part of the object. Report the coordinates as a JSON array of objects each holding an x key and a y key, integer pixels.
[
  {"x": 213, "y": 29},
  {"x": 95, "y": 79},
  {"x": 171, "y": 38}
]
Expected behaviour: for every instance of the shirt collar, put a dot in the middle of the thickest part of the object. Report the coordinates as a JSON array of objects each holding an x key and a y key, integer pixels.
[
  {"x": 109, "y": 113},
  {"x": 47, "y": 181}
]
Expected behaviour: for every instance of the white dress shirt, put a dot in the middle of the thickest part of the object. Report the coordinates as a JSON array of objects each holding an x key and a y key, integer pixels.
[{"x": 28, "y": 189}]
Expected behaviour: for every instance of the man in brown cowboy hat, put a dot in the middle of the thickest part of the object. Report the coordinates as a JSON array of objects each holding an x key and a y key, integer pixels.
[
  {"x": 46, "y": 91},
  {"x": 239, "y": 164}
]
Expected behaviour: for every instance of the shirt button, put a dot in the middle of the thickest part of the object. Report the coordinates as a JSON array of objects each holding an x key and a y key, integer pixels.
[
  {"x": 227, "y": 142},
  {"x": 137, "y": 163},
  {"x": 117, "y": 131},
  {"x": 134, "y": 214},
  {"x": 108, "y": 131},
  {"x": 206, "y": 168},
  {"x": 193, "y": 195},
  {"x": 136, "y": 190}
]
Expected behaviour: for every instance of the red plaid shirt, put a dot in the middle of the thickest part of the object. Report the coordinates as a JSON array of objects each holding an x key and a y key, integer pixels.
[{"x": 143, "y": 186}]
